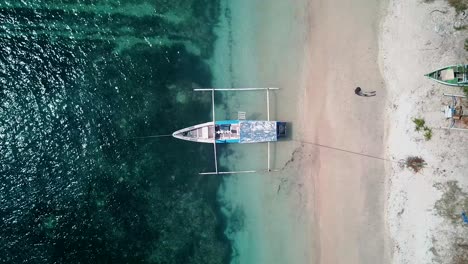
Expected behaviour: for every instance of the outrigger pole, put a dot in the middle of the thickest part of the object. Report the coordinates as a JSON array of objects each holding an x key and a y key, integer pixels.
[
  {"x": 234, "y": 89},
  {"x": 268, "y": 117},
  {"x": 214, "y": 132},
  {"x": 454, "y": 95}
]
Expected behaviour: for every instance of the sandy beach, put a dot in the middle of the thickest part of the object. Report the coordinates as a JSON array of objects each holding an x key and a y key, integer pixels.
[
  {"x": 348, "y": 190},
  {"x": 424, "y": 209},
  {"x": 367, "y": 208}
]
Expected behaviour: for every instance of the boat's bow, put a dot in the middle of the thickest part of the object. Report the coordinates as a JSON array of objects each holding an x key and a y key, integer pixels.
[
  {"x": 455, "y": 75},
  {"x": 203, "y": 133}
]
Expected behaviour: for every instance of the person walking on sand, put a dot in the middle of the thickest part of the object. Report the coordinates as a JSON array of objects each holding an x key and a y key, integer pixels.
[{"x": 360, "y": 92}]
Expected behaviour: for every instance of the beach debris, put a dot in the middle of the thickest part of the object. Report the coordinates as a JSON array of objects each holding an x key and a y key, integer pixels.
[
  {"x": 455, "y": 113},
  {"x": 415, "y": 163},
  {"x": 297, "y": 152},
  {"x": 464, "y": 217}
]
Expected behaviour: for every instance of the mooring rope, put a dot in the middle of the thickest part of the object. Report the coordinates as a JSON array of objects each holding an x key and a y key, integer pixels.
[
  {"x": 304, "y": 142},
  {"x": 153, "y": 136},
  {"x": 346, "y": 151}
]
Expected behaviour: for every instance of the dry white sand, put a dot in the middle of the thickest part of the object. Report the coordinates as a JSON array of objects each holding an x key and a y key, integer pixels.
[{"x": 417, "y": 38}]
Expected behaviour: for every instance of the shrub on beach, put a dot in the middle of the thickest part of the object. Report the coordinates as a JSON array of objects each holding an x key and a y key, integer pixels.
[
  {"x": 459, "y": 5},
  {"x": 420, "y": 123},
  {"x": 427, "y": 133}
]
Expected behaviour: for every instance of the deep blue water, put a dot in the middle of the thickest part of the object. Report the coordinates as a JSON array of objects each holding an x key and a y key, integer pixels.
[{"x": 79, "y": 80}]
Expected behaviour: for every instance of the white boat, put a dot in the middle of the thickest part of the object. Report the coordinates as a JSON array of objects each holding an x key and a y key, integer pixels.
[{"x": 234, "y": 131}]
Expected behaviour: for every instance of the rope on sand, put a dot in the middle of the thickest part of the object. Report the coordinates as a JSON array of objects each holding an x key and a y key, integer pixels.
[{"x": 346, "y": 151}]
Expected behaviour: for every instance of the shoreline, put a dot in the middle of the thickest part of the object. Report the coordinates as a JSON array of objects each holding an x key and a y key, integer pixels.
[{"x": 265, "y": 220}]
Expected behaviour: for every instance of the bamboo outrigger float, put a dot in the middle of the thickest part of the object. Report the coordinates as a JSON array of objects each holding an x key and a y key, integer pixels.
[
  {"x": 235, "y": 131},
  {"x": 455, "y": 75},
  {"x": 454, "y": 113}
]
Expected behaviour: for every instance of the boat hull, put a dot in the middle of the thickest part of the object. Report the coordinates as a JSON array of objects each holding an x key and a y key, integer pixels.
[
  {"x": 233, "y": 131},
  {"x": 190, "y": 133},
  {"x": 455, "y": 75}
]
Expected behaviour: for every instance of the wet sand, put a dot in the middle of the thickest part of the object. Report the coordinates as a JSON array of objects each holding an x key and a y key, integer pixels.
[{"x": 348, "y": 201}]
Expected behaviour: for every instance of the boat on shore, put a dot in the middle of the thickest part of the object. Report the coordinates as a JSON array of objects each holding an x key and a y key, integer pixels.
[
  {"x": 455, "y": 75},
  {"x": 233, "y": 131}
]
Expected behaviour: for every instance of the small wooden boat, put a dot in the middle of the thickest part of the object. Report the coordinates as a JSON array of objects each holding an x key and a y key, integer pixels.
[
  {"x": 233, "y": 131},
  {"x": 455, "y": 75}
]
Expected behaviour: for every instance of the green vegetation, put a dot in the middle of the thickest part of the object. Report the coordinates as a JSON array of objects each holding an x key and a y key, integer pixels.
[
  {"x": 420, "y": 123},
  {"x": 459, "y": 5},
  {"x": 427, "y": 133},
  {"x": 452, "y": 203},
  {"x": 462, "y": 27},
  {"x": 421, "y": 126}
]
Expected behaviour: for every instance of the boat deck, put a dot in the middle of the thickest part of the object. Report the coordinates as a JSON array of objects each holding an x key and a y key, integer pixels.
[
  {"x": 201, "y": 132},
  {"x": 232, "y": 133},
  {"x": 257, "y": 131}
]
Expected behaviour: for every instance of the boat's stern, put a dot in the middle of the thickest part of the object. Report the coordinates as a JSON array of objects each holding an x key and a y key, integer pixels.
[{"x": 281, "y": 129}]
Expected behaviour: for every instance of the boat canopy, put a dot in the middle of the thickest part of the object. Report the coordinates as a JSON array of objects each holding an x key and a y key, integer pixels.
[
  {"x": 257, "y": 131},
  {"x": 205, "y": 134},
  {"x": 447, "y": 75}
]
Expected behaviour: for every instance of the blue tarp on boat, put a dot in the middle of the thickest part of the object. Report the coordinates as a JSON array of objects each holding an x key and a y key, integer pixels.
[{"x": 257, "y": 131}]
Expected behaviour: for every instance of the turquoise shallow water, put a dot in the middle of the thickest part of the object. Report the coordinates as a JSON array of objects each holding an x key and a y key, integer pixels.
[
  {"x": 269, "y": 217},
  {"x": 79, "y": 80}
]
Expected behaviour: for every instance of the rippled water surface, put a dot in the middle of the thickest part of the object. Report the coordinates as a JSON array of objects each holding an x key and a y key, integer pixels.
[{"x": 79, "y": 80}]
